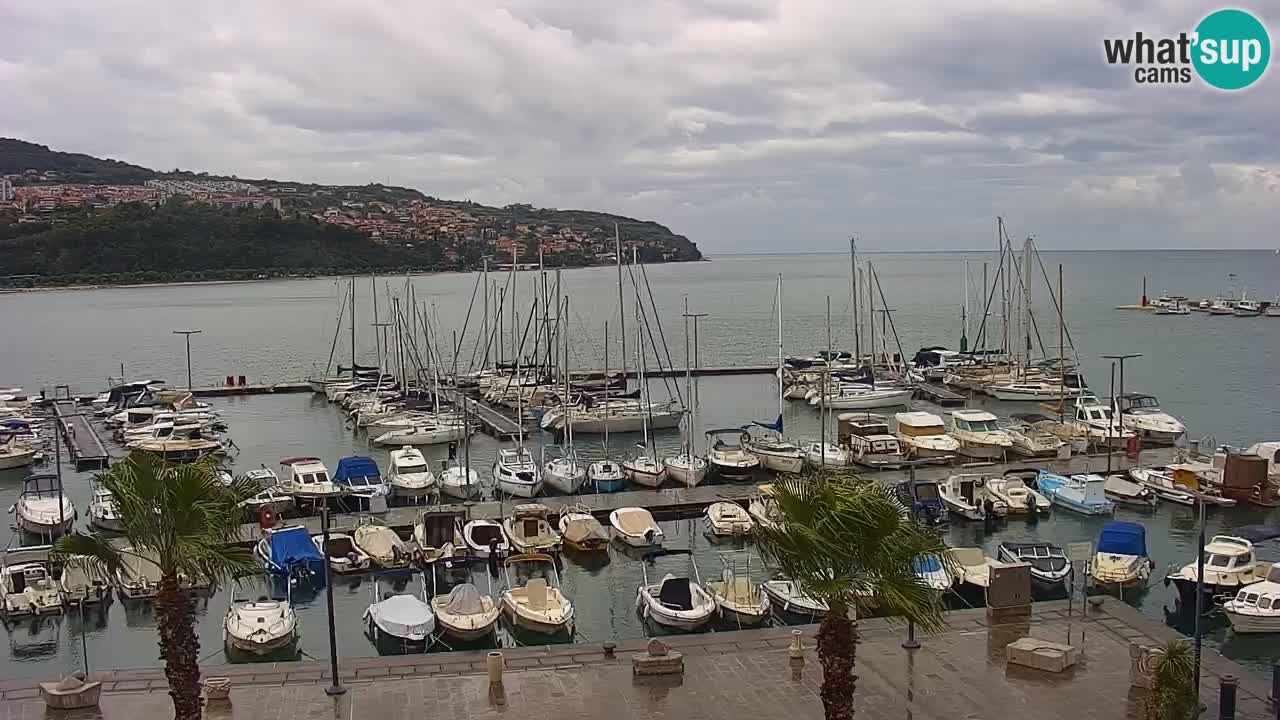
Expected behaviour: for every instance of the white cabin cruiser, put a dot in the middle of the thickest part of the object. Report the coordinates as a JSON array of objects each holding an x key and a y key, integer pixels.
[
  {"x": 43, "y": 508},
  {"x": 1029, "y": 438},
  {"x": 979, "y": 435},
  {"x": 516, "y": 473},
  {"x": 1229, "y": 564},
  {"x": 306, "y": 478},
  {"x": 1256, "y": 607},
  {"x": 260, "y": 627},
  {"x": 1030, "y": 391},
  {"x": 923, "y": 435},
  {"x": 869, "y": 441},
  {"x": 964, "y": 495},
  {"x": 1016, "y": 495},
  {"x": 677, "y": 602},
  {"x": 635, "y": 527},
  {"x": 409, "y": 475},
  {"x": 529, "y": 531},
  {"x": 26, "y": 585},
  {"x": 1095, "y": 421},
  {"x": 1142, "y": 415},
  {"x": 730, "y": 460}
]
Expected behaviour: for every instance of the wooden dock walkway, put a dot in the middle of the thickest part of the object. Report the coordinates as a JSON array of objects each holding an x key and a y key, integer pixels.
[
  {"x": 83, "y": 443},
  {"x": 495, "y": 423},
  {"x": 939, "y": 394}
]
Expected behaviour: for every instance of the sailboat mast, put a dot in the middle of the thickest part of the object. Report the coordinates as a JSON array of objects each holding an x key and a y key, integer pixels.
[
  {"x": 853, "y": 291},
  {"x": 826, "y": 378},
  {"x": 644, "y": 383},
  {"x": 484, "y": 274},
  {"x": 565, "y": 360},
  {"x": 622, "y": 306},
  {"x": 606, "y": 389},
  {"x": 964, "y": 312},
  {"x": 516, "y": 378},
  {"x": 353, "y": 326},
  {"x": 855, "y": 333},
  {"x": 377, "y": 342},
  {"x": 1026, "y": 292},
  {"x": 1062, "y": 351},
  {"x": 688, "y": 384},
  {"x": 515, "y": 298},
  {"x": 871, "y": 324}
]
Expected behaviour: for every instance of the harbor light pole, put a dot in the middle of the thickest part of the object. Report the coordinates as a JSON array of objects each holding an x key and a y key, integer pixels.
[
  {"x": 335, "y": 686},
  {"x": 187, "y": 334},
  {"x": 1115, "y": 403}
]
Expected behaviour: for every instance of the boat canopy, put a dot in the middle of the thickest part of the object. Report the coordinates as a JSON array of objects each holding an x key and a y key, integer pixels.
[
  {"x": 926, "y": 564},
  {"x": 291, "y": 547},
  {"x": 403, "y": 616},
  {"x": 356, "y": 468},
  {"x": 465, "y": 599},
  {"x": 1123, "y": 538}
]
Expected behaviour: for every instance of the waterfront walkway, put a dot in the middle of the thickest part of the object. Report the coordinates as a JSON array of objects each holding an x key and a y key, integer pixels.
[{"x": 957, "y": 674}]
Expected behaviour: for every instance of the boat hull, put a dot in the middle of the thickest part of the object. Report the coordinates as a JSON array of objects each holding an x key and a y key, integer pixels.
[
  {"x": 519, "y": 489},
  {"x": 44, "y": 529},
  {"x": 17, "y": 459},
  {"x": 983, "y": 452},
  {"x": 743, "y": 617},
  {"x": 644, "y": 477},
  {"x": 689, "y": 475},
  {"x": 564, "y": 484},
  {"x": 780, "y": 462},
  {"x": 109, "y": 524},
  {"x": 732, "y": 471},
  {"x": 1250, "y": 623},
  {"x": 266, "y": 647},
  {"x": 465, "y": 634},
  {"x": 621, "y": 423},
  {"x": 658, "y": 614}
]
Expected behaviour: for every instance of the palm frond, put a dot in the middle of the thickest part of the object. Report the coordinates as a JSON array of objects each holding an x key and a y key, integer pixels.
[{"x": 99, "y": 554}]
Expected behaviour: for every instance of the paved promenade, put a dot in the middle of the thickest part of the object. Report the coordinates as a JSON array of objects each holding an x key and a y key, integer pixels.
[{"x": 959, "y": 674}]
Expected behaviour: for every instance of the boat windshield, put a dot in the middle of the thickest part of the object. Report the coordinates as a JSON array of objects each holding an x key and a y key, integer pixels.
[
  {"x": 926, "y": 491},
  {"x": 982, "y": 425},
  {"x": 1143, "y": 402},
  {"x": 1217, "y": 561},
  {"x": 412, "y": 466},
  {"x": 523, "y": 572}
]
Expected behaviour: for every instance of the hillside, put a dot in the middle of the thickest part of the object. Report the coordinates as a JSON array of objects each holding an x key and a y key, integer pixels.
[{"x": 70, "y": 218}]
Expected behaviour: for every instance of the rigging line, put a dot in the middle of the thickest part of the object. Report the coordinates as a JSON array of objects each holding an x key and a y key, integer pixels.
[
  {"x": 986, "y": 311},
  {"x": 342, "y": 309},
  {"x": 475, "y": 289},
  {"x": 889, "y": 312},
  {"x": 658, "y": 319},
  {"x": 667, "y": 382},
  {"x": 1022, "y": 287},
  {"x": 1054, "y": 297}
]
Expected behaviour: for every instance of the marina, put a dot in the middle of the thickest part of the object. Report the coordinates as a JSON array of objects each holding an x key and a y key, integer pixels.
[{"x": 266, "y": 422}]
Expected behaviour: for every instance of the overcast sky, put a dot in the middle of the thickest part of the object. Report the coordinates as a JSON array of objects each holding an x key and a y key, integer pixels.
[{"x": 748, "y": 125}]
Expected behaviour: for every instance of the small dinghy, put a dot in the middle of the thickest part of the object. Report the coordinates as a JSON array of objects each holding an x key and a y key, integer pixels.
[
  {"x": 786, "y": 596},
  {"x": 383, "y": 546},
  {"x": 343, "y": 553},
  {"x": 481, "y": 535},
  {"x": 581, "y": 531},
  {"x": 1050, "y": 571},
  {"x": 1123, "y": 491},
  {"x": 741, "y": 600},
  {"x": 465, "y": 614},
  {"x": 83, "y": 583},
  {"x": 728, "y": 519},
  {"x": 529, "y": 531},
  {"x": 533, "y": 601},
  {"x": 635, "y": 527},
  {"x": 259, "y": 627},
  {"x": 677, "y": 602},
  {"x": 399, "y": 623}
]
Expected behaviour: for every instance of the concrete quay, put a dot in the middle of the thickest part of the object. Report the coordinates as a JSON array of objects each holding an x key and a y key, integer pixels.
[{"x": 957, "y": 673}]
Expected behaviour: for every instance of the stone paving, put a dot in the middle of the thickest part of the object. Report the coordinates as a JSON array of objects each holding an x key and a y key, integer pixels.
[{"x": 958, "y": 674}]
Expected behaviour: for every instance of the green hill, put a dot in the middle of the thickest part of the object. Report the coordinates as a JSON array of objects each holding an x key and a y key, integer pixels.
[{"x": 18, "y": 156}]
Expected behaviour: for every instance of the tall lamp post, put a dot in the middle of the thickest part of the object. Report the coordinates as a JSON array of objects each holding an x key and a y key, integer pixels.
[
  {"x": 187, "y": 334},
  {"x": 1115, "y": 403},
  {"x": 335, "y": 686}
]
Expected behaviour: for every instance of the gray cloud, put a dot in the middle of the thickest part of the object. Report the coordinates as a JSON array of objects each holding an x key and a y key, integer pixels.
[{"x": 747, "y": 125}]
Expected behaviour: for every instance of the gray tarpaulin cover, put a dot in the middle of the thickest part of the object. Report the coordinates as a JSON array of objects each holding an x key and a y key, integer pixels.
[{"x": 465, "y": 600}]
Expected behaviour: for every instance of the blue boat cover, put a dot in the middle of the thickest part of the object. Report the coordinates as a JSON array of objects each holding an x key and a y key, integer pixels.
[
  {"x": 926, "y": 564},
  {"x": 292, "y": 547},
  {"x": 1123, "y": 538},
  {"x": 354, "y": 467}
]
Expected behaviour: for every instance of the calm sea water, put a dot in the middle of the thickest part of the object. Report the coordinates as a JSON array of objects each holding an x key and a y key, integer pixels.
[{"x": 1216, "y": 373}]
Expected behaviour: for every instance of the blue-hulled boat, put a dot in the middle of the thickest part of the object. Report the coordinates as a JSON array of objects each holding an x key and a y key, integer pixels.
[
  {"x": 1085, "y": 494},
  {"x": 289, "y": 552}
]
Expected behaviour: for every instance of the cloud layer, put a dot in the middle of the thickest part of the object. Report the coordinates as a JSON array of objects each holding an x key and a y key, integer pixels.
[{"x": 749, "y": 125}]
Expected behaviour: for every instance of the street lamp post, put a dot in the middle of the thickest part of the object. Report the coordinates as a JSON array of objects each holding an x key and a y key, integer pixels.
[
  {"x": 1115, "y": 404},
  {"x": 187, "y": 334},
  {"x": 335, "y": 686}
]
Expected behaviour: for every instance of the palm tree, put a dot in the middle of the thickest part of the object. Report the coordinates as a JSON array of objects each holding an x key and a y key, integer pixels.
[
  {"x": 1173, "y": 684},
  {"x": 847, "y": 542},
  {"x": 185, "y": 520}
]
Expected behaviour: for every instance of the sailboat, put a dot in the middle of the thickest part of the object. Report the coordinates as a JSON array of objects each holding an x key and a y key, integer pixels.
[
  {"x": 563, "y": 471},
  {"x": 606, "y": 476},
  {"x": 644, "y": 469},
  {"x": 514, "y": 471},
  {"x": 688, "y": 468},
  {"x": 775, "y": 452}
]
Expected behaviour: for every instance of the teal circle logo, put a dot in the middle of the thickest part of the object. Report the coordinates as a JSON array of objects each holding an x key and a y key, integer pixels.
[{"x": 1232, "y": 49}]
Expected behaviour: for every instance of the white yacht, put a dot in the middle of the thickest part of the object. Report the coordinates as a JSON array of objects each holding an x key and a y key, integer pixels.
[
  {"x": 260, "y": 627},
  {"x": 979, "y": 435},
  {"x": 307, "y": 478},
  {"x": 923, "y": 435},
  {"x": 14, "y": 454},
  {"x": 727, "y": 459},
  {"x": 43, "y": 508},
  {"x": 1030, "y": 391},
  {"x": 1095, "y": 420},
  {"x": 409, "y": 475},
  {"x": 1031, "y": 439},
  {"x": 516, "y": 473},
  {"x": 1016, "y": 496},
  {"x": 1142, "y": 415},
  {"x": 861, "y": 396},
  {"x": 869, "y": 441},
  {"x": 26, "y": 585},
  {"x": 529, "y": 531},
  {"x": 1229, "y": 564},
  {"x": 1256, "y": 607}
]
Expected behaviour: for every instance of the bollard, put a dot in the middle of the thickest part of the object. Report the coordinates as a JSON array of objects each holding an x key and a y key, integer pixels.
[
  {"x": 796, "y": 649},
  {"x": 494, "y": 663},
  {"x": 1227, "y": 697},
  {"x": 609, "y": 647}
]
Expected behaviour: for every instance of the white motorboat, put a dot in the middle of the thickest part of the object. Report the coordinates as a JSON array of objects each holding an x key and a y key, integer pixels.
[
  {"x": 677, "y": 602},
  {"x": 644, "y": 470},
  {"x": 1142, "y": 415},
  {"x": 787, "y": 596},
  {"x": 964, "y": 495},
  {"x": 436, "y": 433},
  {"x": 529, "y": 531},
  {"x": 481, "y": 535},
  {"x": 686, "y": 469},
  {"x": 825, "y": 455},
  {"x": 306, "y": 478},
  {"x": 1030, "y": 439},
  {"x": 26, "y": 585},
  {"x": 562, "y": 471},
  {"x": 103, "y": 513},
  {"x": 460, "y": 481},
  {"x": 342, "y": 552},
  {"x": 138, "y": 577},
  {"x": 730, "y": 460},
  {"x": 974, "y": 567},
  {"x": 933, "y": 573},
  {"x": 14, "y": 454},
  {"x": 741, "y": 600},
  {"x": 409, "y": 475},
  {"x": 260, "y": 627},
  {"x": 1159, "y": 480},
  {"x": 1247, "y": 308},
  {"x": 401, "y": 623},
  {"x": 1120, "y": 490},
  {"x": 1229, "y": 564},
  {"x": 868, "y": 440},
  {"x": 533, "y": 601},
  {"x": 775, "y": 453},
  {"x": 1016, "y": 496},
  {"x": 83, "y": 582},
  {"x": 465, "y": 614},
  {"x": 1273, "y": 310},
  {"x": 861, "y": 396},
  {"x": 516, "y": 473},
  {"x": 1050, "y": 571},
  {"x": 383, "y": 546},
  {"x": 43, "y": 508},
  {"x": 763, "y": 508},
  {"x": 635, "y": 527},
  {"x": 1121, "y": 559},
  {"x": 438, "y": 535},
  {"x": 1256, "y": 607},
  {"x": 1030, "y": 391},
  {"x": 1095, "y": 421},
  {"x": 923, "y": 435},
  {"x": 728, "y": 519},
  {"x": 1084, "y": 493},
  {"x": 580, "y": 530},
  {"x": 979, "y": 435}
]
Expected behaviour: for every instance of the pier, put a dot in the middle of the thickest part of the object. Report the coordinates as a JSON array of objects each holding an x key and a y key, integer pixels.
[
  {"x": 495, "y": 423},
  {"x": 83, "y": 443},
  {"x": 939, "y": 395}
]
